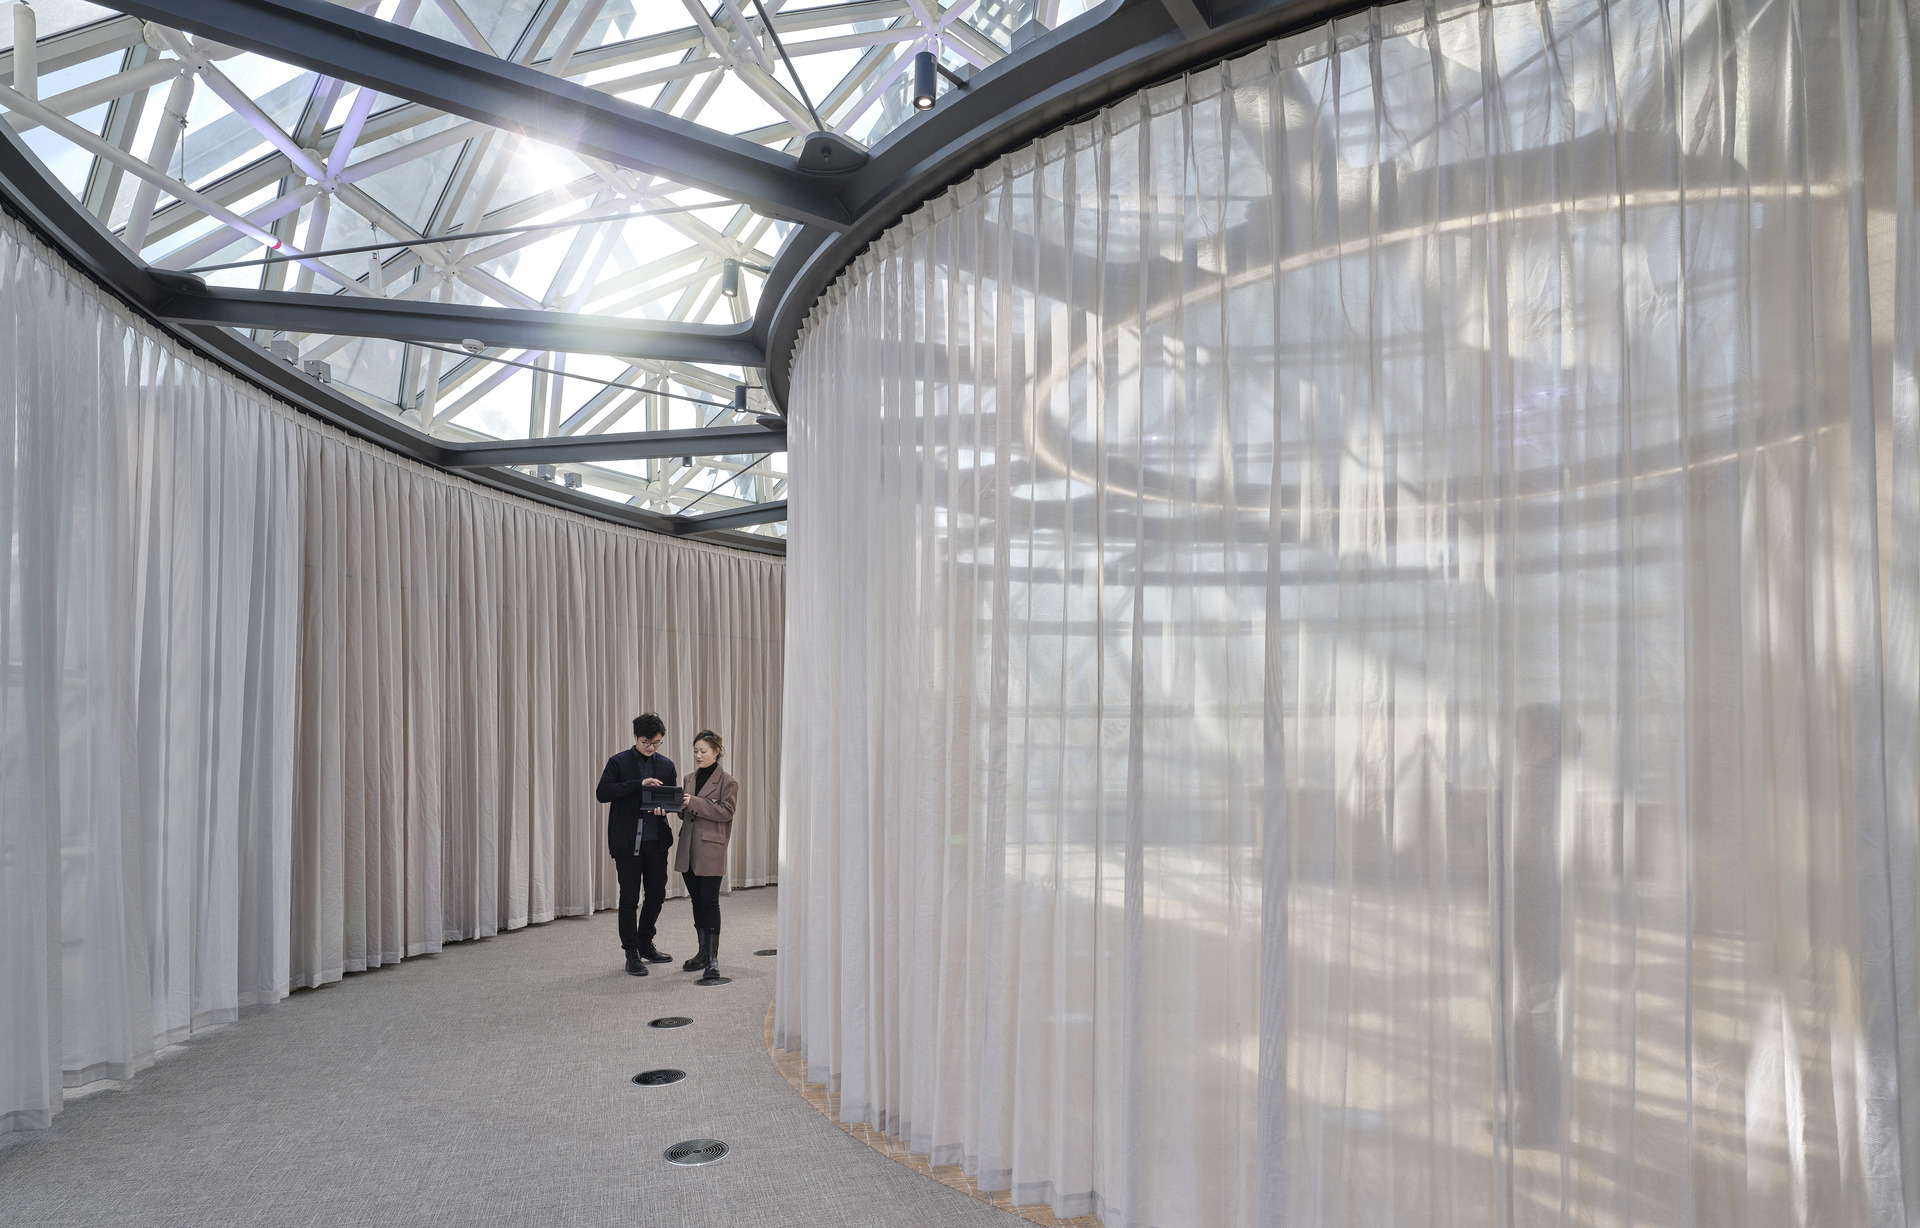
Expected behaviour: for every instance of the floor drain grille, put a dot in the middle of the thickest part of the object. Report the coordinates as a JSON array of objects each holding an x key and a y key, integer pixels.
[
  {"x": 669, "y": 1021},
  {"x": 696, "y": 1151},
  {"x": 710, "y": 981},
  {"x": 659, "y": 1078},
  {"x": 769, "y": 951}
]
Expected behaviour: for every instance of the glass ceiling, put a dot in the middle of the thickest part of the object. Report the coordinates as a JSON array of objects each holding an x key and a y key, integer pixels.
[{"x": 246, "y": 139}]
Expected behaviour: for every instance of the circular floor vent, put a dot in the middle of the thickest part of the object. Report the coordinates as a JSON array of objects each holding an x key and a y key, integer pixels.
[
  {"x": 659, "y": 1078},
  {"x": 669, "y": 1021},
  {"x": 696, "y": 1151},
  {"x": 769, "y": 951},
  {"x": 708, "y": 982}
]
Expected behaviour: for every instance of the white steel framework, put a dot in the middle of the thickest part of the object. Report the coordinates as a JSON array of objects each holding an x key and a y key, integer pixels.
[{"x": 197, "y": 154}]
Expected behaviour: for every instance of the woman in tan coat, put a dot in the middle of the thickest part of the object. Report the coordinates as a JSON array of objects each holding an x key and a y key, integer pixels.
[{"x": 706, "y": 825}]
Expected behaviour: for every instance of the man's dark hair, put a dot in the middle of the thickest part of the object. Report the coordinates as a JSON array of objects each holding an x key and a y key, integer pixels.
[{"x": 647, "y": 725}]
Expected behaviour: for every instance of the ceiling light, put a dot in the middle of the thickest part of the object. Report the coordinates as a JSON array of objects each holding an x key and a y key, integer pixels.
[
  {"x": 924, "y": 79},
  {"x": 739, "y": 397},
  {"x": 730, "y": 275}
]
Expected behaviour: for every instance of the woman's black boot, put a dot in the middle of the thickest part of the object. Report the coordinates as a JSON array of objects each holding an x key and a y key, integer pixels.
[
  {"x": 713, "y": 955},
  {"x": 700, "y": 959}
]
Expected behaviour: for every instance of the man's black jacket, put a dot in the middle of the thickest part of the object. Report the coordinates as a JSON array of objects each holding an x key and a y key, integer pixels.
[{"x": 620, "y": 784}]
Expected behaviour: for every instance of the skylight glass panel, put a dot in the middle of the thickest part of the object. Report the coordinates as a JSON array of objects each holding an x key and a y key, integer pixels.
[
  {"x": 53, "y": 17},
  {"x": 504, "y": 22},
  {"x": 70, "y": 164}
]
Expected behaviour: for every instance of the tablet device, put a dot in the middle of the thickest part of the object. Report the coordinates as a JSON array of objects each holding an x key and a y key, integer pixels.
[{"x": 662, "y": 797}]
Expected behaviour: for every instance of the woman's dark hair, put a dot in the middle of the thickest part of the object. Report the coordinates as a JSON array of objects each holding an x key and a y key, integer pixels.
[
  {"x": 647, "y": 725},
  {"x": 711, "y": 739}
]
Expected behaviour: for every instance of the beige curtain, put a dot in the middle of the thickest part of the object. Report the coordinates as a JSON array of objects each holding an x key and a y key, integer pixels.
[
  {"x": 279, "y": 705},
  {"x": 466, "y": 666}
]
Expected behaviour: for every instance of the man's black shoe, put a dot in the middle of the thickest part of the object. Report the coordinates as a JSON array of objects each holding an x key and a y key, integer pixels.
[
  {"x": 635, "y": 966},
  {"x": 654, "y": 955}
]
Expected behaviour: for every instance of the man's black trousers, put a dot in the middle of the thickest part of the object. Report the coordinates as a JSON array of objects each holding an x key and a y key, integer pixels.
[{"x": 646, "y": 868}]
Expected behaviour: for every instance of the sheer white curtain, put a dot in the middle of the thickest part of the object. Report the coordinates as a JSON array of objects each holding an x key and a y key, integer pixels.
[
  {"x": 147, "y": 625},
  {"x": 1361, "y": 616},
  {"x": 279, "y": 705}
]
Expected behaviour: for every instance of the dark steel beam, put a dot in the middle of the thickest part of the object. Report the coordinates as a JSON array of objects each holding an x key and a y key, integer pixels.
[
  {"x": 351, "y": 46},
  {"x": 451, "y": 323},
  {"x": 640, "y": 445},
  {"x": 733, "y": 518},
  {"x": 1191, "y": 16}
]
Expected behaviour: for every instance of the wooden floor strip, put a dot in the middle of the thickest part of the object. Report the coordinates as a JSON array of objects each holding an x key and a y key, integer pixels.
[{"x": 794, "y": 1068}]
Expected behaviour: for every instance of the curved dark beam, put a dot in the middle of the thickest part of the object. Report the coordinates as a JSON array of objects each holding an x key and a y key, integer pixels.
[
  {"x": 29, "y": 192},
  {"x": 339, "y": 42},
  {"x": 1105, "y": 55},
  {"x": 733, "y": 518},
  {"x": 450, "y": 323},
  {"x": 642, "y": 445}
]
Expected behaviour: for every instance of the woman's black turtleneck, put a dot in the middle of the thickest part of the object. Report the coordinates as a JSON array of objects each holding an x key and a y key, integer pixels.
[{"x": 701, "y": 777}]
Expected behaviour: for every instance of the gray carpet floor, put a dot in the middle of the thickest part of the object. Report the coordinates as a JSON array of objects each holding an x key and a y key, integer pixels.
[{"x": 488, "y": 1084}]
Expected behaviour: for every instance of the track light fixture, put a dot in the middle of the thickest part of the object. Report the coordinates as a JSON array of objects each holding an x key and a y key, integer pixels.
[
  {"x": 730, "y": 275},
  {"x": 925, "y": 77},
  {"x": 739, "y": 397}
]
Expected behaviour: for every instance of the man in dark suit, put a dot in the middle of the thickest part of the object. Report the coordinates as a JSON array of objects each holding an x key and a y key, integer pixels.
[{"x": 639, "y": 840}]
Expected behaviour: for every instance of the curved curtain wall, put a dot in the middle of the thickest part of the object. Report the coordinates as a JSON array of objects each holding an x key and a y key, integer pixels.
[
  {"x": 279, "y": 705},
  {"x": 1359, "y": 622}
]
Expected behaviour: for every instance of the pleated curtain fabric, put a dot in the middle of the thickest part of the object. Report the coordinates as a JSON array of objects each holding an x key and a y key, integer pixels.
[
  {"x": 466, "y": 667},
  {"x": 280, "y": 706},
  {"x": 1361, "y": 621}
]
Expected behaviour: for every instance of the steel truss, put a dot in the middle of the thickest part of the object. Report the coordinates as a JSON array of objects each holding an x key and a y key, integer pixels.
[{"x": 387, "y": 97}]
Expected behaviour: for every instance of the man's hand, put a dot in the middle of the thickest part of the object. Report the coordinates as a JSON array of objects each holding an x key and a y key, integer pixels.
[{"x": 650, "y": 781}]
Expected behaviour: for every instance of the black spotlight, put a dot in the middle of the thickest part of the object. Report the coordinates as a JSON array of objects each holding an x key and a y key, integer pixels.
[
  {"x": 739, "y": 398},
  {"x": 924, "y": 78},
  {"x": 730, "y": 275}
]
